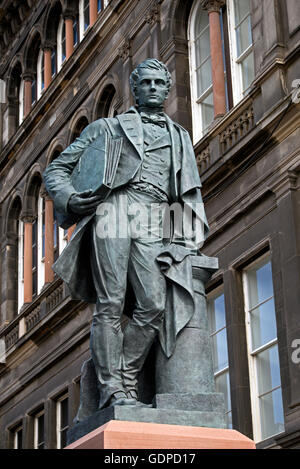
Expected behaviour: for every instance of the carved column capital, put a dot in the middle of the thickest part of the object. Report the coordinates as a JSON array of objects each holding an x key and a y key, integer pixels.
[{"x": 212, "y": 5}]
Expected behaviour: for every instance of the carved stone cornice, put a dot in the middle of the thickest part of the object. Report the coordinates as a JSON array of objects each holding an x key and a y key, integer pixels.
[{"x": 212, "y": 5}]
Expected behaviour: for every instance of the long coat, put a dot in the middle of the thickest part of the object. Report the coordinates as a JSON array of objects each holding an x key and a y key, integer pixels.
[{"x": 73, "y": 265}]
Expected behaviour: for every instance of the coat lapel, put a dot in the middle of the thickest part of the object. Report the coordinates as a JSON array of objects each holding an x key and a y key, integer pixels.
[{"x": 132, "y": 126}]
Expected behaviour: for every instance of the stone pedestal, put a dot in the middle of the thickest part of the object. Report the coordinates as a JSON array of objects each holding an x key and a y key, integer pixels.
[
  {"x": 184, "y": 383},
  {"x": 186, "y": 379},
  {"x": 137, "y": 435}
]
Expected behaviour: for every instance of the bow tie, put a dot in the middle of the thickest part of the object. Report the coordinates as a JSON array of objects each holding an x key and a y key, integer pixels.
[{"x": 153, "y": 119}]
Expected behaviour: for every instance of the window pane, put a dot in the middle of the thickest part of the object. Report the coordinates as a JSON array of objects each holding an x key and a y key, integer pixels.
[
  {"x": 263, "y": 324},
  {"x": 248, "y": 71},
  {"x": 75, "y": 31},
  {"x": 268, "y": 371},
  {"x": 217, "y": 313},
  {"x": 220, "y": 353},
  {"x": 19, "y": 439},
  {"x": 243, "y": 36},
  {"x": 63, "y": 43},
  {"x": 86, "y": 14},
  {"x": 53, "y": 62},
  {"x": 202, "y": 45},
  {"x": 201, "y": 22},
  {"x": 207, "y": 107},
  {"x": 241, "y": 9},
  {"x": 223, "y": 386},
  {"x": 99, "y": 5},
  {"x": 40, "y": 434},
  {"x": 33, "y": 91},
  {"x": 64, "y": 413},
  {"x": 260, "y": 284},
  {"x": 271, "y": 411},
  {"x": 204, "y": 77}
]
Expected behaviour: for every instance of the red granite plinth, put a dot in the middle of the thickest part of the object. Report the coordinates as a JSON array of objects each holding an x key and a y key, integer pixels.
[{"x": 118, "y": 434}]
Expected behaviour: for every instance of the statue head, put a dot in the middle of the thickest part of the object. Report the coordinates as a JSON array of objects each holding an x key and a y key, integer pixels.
[{"x": 150, "y": 83}]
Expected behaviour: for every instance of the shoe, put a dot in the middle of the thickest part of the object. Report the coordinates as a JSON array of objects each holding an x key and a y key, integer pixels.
[
  {"x": 132, "y": 395},
  {"x": 120, "y": 398}
]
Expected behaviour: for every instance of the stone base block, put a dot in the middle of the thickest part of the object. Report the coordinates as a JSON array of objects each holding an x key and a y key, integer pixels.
[
  {"x": 140, "y": 435},
  {"x": 133, "y": 413}
]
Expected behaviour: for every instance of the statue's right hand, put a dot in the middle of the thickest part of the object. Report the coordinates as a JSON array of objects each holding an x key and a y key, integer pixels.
[{"x": 82, "y": 204}]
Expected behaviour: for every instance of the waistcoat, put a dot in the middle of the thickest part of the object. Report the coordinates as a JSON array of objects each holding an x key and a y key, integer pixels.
[{"x": 156, "y": 163}]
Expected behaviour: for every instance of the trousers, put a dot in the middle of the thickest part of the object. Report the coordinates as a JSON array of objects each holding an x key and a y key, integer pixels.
[{"x": 126, "y": 238}]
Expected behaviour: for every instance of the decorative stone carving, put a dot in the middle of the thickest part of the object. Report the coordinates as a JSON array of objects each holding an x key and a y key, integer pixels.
[
  {"x": 237, "y": 129},
  {"x": 212, "y": 5},
  {"x": 203, "y": 159},
  {"x": 125, "y": 50}
]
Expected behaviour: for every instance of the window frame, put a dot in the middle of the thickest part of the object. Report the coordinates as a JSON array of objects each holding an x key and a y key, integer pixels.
[
  {"x": 40, "y": 242},
  {"x": 212, "y": 295},
  {"x": 21, "y": 102},
  {"x": 252, "y": 354},
  {"x": 196, "y": 102},
  {"x": 36, "y": 443},
  {"x": 40, "y": 74},
  {"x": 60, "y": 59},
  {"x": 236, "y": 61},
  {"x": 17, "y": 429},
  {"x": 20, "y": 249},
  {"x": 59, "y": 430}
]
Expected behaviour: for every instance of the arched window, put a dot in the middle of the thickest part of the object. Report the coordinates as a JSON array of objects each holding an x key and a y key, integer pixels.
[
  {"x": 61, "y": 43},
  {"x": 40, "y": 74},
  {"x": 15, "y": 100},
  {"x": 200, "y": 71},
  {"x": 107, "y": 104},
  {"x": 78, "y": 128}
]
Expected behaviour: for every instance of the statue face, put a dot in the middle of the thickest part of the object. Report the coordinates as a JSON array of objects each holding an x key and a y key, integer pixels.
[{"x": 151, "y": 88}]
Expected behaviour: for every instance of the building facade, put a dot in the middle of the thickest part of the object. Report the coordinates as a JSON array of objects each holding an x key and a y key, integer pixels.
[{"x": 235, "y": 66}]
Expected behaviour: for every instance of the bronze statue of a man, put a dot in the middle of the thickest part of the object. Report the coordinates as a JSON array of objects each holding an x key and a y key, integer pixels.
[{"x": 156, "y": 167}]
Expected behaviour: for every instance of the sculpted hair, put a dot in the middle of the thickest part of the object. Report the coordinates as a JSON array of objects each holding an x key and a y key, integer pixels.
[{"x": 152, "y": 64}]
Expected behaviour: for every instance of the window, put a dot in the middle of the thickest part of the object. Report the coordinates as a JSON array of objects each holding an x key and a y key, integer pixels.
[
  {"x": 241, "y": 46},
  {"x": 41, "y": 243},
  {"x": 200, "y": 73},
  {"x": 20, "y": 264},
  {"x": 34, "y": 258},
  {"x": 84, "y": 17},
  {"x": 33, "y": 90},
  {"x": 40, "y": 74},
  {"x": 76, "y": 30},
  {"x": 21, "y": 102},
  {"x": 18, "y": 437},
  {"x": 61, "y": 43},
  {"x": 265, "y": 383},
  {"x": 62, "y": 421},
  {"x": 53, "y": 62},
  {"x": 217, "y": 325},
  {"x": 39, "y": 431}
]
